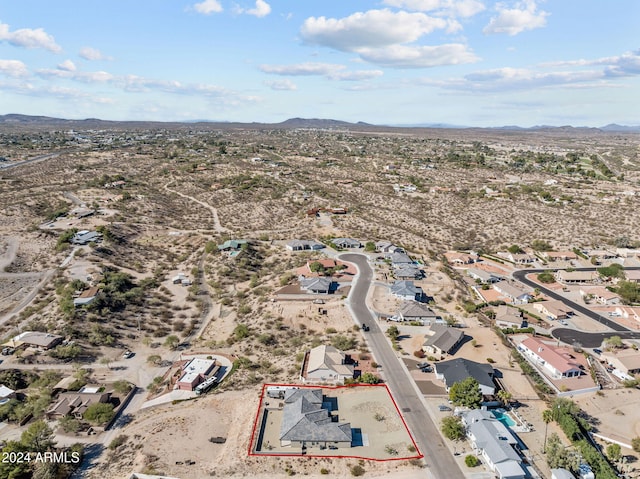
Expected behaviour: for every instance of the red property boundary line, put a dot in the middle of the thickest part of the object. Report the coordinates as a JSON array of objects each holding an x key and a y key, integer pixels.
[{"x": 254, "y": 436}]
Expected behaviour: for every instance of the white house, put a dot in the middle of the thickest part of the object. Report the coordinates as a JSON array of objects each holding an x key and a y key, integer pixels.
[{"x": 557, "y": 363}]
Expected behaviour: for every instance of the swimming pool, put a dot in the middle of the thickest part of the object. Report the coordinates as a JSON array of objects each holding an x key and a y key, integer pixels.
[{"x": 502, "y": 416}]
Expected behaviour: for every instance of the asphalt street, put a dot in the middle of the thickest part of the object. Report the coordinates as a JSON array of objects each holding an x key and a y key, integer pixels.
[
  {"x": 572, "y": 336},
  {"x": 439, "y": 459}
]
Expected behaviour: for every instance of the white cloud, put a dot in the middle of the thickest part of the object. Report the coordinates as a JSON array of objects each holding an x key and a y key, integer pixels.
[
  {"x": 282, "y": 85},
  {"x": 453, "y": 8},
  {"x": 67, "y": 65},
  {"x": 262, "y": 9},
  {"x": 13, "y": 68},
  {"x": 371, "y": 29},
  {"x": 83, "y": 77},
  {"x": 208, "y": 7},
  {"x": 331, "y": 71},
  {"x": 524, "y": 16},
  {"x": 403, "y": 56},
  {"x": 29, "y": 38},
  {"x": 93, "y": 54}
]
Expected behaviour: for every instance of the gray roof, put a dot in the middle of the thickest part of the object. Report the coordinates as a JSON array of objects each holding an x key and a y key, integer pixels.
[
  {"x": 400, "y": 258},
  {"x": 316, "y": 284},
  {"x": 445, "y": 338},
  {"x": 456, "y": 370},
  {"x": 304, "y": 419},
  {"x": 496, "y": 440},
  {"x": 411, "y": 309},
  {"x": 345, "y": 242},
  {"x": 405, "y": 288},
  {"x": 407, "y": 271}
]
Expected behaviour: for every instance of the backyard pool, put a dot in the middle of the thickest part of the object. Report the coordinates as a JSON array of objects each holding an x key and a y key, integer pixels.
[{"x": 502, "y": 416}]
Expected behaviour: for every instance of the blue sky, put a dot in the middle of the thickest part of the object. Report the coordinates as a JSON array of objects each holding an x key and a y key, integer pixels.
[{"x": 464, "y": 62}]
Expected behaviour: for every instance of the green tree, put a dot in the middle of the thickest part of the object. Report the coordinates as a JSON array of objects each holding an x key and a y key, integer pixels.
[
  {"x": 635, "y": 444},
  {"x": 514, "y": 249},
  {"x": 452, "y": 428},
  {"x": 317, "y": 267},
  {"x": 172, "y": 341},
  {"x": 369, "y": 247},
  {"x": 393, "y": 332},
  {"x": 69, "y": 424},
  {"x": 546, "y": 277},
  {"x": 38, "y": 437},
  {"x": 614, "y": 270},
  {"x": 614, "y": 452},
  {"x": 471, "y": 460},
  {"x": 369, "y": 378},
  {"x": 557, "y": 455},
  {"x": 547, "y": 417},
  {"x": 99, "y": 413},
  {"x": 540, "y": 245},
  {"x": 241, "y": 331},
  {"x": 466, "y": 393},
  {"x": 614, "y": 342}
]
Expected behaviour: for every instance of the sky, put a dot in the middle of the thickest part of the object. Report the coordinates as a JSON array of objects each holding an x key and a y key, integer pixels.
[{"x": 391, "y": 62}]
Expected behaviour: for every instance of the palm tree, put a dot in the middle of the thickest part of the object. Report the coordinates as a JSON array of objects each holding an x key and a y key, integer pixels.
[
  {"x": 504, "y": 396},
  {"x": 547, "y": 417}
]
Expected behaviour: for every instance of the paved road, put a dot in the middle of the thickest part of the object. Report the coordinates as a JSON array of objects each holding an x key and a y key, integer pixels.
[
  {"x": 426, "y": 434},
  {"x": 6, "y": 166},
  {"x": 572, "y": 336}
]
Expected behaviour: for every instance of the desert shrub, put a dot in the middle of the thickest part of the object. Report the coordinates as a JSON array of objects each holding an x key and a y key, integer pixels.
[
  {"x": 471, "y": 460},
  {"x": 357, "y": 470}
]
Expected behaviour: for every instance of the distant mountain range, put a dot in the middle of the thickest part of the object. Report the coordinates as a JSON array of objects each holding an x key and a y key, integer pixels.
[{"x": 18, "y": 120}]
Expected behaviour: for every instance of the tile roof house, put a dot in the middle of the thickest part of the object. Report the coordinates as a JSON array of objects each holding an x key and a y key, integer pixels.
[
  {"x": 444, "y": 339},
  {"x": 414, "y": 311},
  {"x": 326, "y": 364},
  {"x": 557, "y": 362},
  {"x": 405, "y": 289},
  {"x": 576, "y": 277},
  {"x": 456, "y": 370},
  {"x": 513, "y": 293},
  {"x": 625, "y": 360},
  {"x": 483, "y": 276},
  {"x": 76, "y": 403},
  {"x": 602, "y": 295},
  {"x": 553, "y": 309},
  {"x": 306, "y": 423},
  {"x": 509, "y": 317},
  {"x": 457, "y": 258},
  {"x": 495, "y": 443}
]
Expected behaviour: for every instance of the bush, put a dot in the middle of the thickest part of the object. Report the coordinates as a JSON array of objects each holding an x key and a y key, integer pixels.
[
  {"x": 99, "y": 413},
  {"x": 117, "y": 442},
  {"x": 471, "y": 460},
  {"x": 357, "y": 470},
  {"x": 324, "y": 471}
]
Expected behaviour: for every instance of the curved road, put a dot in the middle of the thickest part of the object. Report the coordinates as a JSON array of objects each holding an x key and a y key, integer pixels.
[
  {"x": 426, "y": 434},
  {"x": 571, "y": 336}
]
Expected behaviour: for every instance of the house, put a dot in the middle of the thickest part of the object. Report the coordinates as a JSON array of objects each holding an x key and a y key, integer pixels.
[
  {"x": 34, "y": 339},
  {"x": 444, "y": 339},
  {"x": 601, "y": 295},
  {"x": 346, "y": 243},
  {"x": 84, "y": 237},
  {"x": 519, "y": 258},
  {"x": 561, "y": 473},
  {"x": 495, "y": 443},
  {"x": 553, "y": 309},
  {"x": 326, "y": 364},
  {"x": 625, "y": 360},
  {"x": 232, "y": 245},
  {"x": 601, "y": 254},
  {"x": 627, "y": 312},
  {"x": 509, "y": 317},
  {"x": 386, "y": 247},
  {"x": 513, "y": 293},
  {"x": 196, "y": 371},
  {"x": 557, "y": 362},
  {"x": 576, "y": 277},
  {"x": 485, "y": 277},
  {"x": 456, "y": 370},
  {"x": 457, "y": 258},
  {"x": 407, "y": 272},
  {"x": 305, "y": 423},
  {"x": 559, "y": 255},
  {"x": 303, "y": 245},
  {"x": 86, "y": 297},
  {"x": 6, "y": 394},
  {"x": 407, "y": 290},
  {"x": 414, "y": 311},
  {"x": 76, "y": 403},
  {"x": 585, "y": 472},
  {"x": 400, "y": 259},
  {"x": 632, "y": 275},
  {"x": 317, "y": 285}
]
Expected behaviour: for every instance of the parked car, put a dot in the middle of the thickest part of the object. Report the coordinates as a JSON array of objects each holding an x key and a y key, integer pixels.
[
  {"x": 422, "y": 365},
  {"x": 443, "y": 408},
  {"x": 597, "y": 351},
  {"x": 127, "y": 354},
  {"x": 427, "y": 369}
]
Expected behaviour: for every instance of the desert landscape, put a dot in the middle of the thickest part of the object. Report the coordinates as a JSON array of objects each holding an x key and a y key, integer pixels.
[{"x": 191, "y": 254}]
